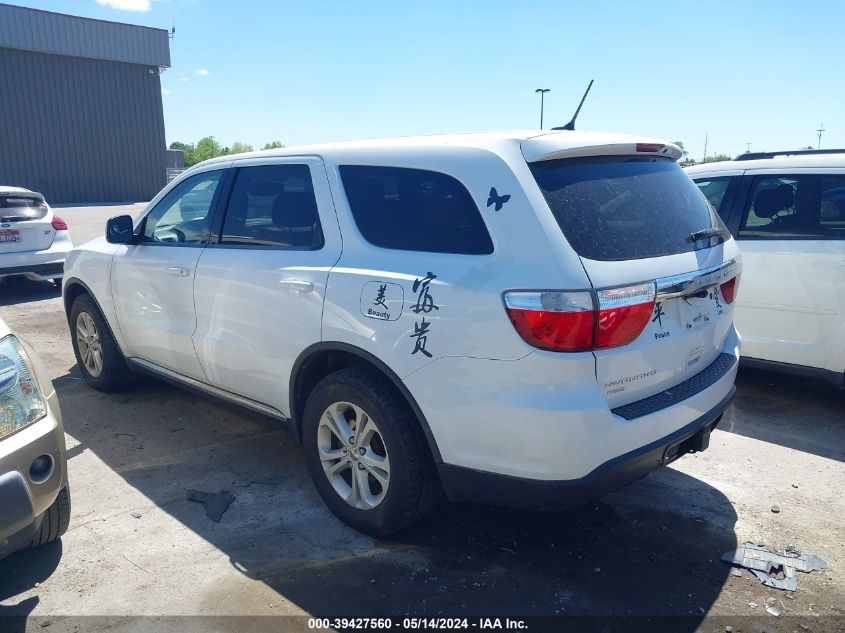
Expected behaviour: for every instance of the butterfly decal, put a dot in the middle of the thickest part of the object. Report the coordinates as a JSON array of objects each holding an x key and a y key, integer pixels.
[{"x": 496, "y": 199}]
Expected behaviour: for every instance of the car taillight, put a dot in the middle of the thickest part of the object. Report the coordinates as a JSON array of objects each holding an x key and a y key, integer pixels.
[
  {"x": 59, "y": 224},
  {"x": 729, "y": 289},
  {"x": 623, "y": 314},
  {"x": 573, "y": 321},
  {"x": 556, "y": 321}
]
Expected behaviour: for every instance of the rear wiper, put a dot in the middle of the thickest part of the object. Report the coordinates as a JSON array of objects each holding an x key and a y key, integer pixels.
[{"x": 706, "y": 234}]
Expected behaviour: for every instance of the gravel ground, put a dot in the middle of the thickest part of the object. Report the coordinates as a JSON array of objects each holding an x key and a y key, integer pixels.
[{"x": 138, "y": 547}]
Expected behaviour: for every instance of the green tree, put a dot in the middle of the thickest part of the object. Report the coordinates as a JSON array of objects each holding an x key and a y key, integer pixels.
[
  {"x": 240, "y": 148},
  {"x": 684, "y": 153},
  {"x": 717, "y": 158},
  {"x": 187, "y": 151},
  {"x": 273, "y": 145},
  {"x": 206, "y": 148}
]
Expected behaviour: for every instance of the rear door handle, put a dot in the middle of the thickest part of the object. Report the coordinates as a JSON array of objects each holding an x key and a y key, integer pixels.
[
  {"x": 178, "y": 271},
  {"x": 299, "y": 286}
]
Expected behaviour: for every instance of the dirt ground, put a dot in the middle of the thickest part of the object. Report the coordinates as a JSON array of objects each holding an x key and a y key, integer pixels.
[{"x": 137, "y": 546}]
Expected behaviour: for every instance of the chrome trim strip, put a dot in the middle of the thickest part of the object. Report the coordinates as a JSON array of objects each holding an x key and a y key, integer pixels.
[
  {"x": 169, "y": 374},
  {"x": 690, "y": 283}
]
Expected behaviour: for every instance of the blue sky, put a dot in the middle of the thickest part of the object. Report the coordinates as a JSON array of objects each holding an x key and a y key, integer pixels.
[{"x": 301, "y": 71}]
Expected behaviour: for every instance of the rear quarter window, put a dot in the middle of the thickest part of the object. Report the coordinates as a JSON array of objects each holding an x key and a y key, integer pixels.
[
  {"x": 414, "y": 210},
  {"x": 618, "y": 207}
]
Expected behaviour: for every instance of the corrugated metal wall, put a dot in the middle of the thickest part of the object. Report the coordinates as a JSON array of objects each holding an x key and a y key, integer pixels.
[
  {"x": 80, "y": 130},
  {"x": 60, "y": 34}
]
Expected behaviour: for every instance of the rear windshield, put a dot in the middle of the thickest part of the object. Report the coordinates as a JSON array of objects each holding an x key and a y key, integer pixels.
[
  {"x": 615, "y": 208},
  {"x": 17, "y": 208}
]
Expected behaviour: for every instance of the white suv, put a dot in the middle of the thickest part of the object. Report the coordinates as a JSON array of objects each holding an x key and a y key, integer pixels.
[
  {"x": 787, "y": 209},
  {"x": 526, "y": 319}
]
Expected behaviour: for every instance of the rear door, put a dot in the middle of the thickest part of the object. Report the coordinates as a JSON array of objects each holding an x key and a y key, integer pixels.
[
  {"x": 631, "y": 219},
  {"x": 792, "y": 234},
  {"x": 259, "y": 289},
  {"x": 24, "y": 223}
]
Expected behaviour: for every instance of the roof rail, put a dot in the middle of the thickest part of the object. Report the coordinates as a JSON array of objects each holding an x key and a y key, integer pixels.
[{"x": 790, "y": 152}]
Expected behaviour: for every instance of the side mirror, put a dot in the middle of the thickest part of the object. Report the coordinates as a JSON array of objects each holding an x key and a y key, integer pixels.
[{"x": 119, "y": 230}]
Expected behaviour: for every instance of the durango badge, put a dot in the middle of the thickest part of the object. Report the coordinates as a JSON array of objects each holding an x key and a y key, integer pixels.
[{"x": 382, "y": 300}]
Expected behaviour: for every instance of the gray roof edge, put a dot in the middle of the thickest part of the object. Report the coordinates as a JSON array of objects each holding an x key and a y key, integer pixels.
[{"x": 42, "y": 31}]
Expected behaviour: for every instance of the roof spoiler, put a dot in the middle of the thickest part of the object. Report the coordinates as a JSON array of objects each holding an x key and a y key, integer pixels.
[
  {"x": 32, "y": 195},
  {"x": 555, "y": 147},
  {"x": 793, "y": 152}
]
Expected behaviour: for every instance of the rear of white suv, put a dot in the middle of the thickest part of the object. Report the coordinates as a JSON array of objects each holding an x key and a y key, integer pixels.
[
  {"x": 34, "y": 242},
  {"x": 528, "y": 319}
]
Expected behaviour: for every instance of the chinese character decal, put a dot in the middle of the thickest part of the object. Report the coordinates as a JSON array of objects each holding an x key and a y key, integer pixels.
[
  {"x": 421, "y": 337},
  {"x": 658, "y": 315},
  {"x": 424, "y": 304},
  {"x": 379, "y": 300}
]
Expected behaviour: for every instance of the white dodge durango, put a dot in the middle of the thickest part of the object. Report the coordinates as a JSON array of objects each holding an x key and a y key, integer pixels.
[{"x": 526, "y": 319}]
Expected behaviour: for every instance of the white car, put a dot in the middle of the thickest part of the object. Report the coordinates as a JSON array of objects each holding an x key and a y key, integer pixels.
[
  {"x": 34, "y": 241},
  {"x": 526, "y": 319},
  {"x": 787, "y": 210}
]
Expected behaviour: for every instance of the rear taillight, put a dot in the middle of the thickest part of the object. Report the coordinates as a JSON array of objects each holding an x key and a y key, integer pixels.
[
  {"x": 623, "y": 314},
  {"x": 575, "y": 322},
  {"x": 557, "y": 321},
  {"x": 59, "y": 224},
  {"x": 729, "y": 289}
]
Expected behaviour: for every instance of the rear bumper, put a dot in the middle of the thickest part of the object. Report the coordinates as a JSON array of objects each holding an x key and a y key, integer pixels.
[
  {"x": 467, "y": 484},
  {"x": 546, "y": 418},
  {"x": 38, "y": 265}
]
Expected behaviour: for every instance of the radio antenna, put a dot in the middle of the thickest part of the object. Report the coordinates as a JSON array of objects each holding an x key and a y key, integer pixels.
[{"x": 571, "y": 125}]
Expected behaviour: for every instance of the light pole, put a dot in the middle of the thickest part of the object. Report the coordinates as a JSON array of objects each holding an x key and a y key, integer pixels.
[{"x": 542, "y": 92}]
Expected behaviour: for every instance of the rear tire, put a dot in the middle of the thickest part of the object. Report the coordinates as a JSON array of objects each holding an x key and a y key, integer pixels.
[
  {"x": 55, "y": 520},
  {"x": 97, "y": 353},
  {"x": 411, "y": 486}
]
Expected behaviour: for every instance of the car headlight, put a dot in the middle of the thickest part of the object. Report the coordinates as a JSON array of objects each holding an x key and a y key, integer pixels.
[{"x": 21, "y": 402}]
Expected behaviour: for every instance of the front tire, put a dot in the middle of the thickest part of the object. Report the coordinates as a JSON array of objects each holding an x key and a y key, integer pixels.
[
  {"x": 367, "y": 454},
  {"x": 97, "y": 353},
  {"x": 55, "y": 520}
]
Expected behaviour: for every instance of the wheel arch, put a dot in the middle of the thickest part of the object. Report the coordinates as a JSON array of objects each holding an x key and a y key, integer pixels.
[
  {"x": 321, "y": 359},
  {"x": 74, "y": 287}
]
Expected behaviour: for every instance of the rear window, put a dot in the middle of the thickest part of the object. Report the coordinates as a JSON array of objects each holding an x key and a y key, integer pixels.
[
  {"x": 17, "y": 208},
  {"x": 414, "y": 210},
  {"x": 618, "y": 208}
]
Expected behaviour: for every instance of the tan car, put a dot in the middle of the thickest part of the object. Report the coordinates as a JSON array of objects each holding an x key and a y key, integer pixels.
[{"x": 34, "y": 498}]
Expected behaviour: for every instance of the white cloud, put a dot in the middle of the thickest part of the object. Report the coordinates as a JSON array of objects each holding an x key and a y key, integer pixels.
[
  {"x": 202, "y": 72},
  {"x": 185, "y": 79},
  {"x": 165, "y": 91},
  {"x": 127, "y": 5}
]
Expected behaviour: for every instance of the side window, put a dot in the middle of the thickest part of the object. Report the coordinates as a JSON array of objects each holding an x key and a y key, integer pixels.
[
  {"x": 273, "y": 205},
  {"x": 783, "y": 207},
  {"x": 832, "y": 211},
  {"x": 714, "y": 190},
  {"x": 182, "y": 216},
  {"x": 414, "y": 210}
]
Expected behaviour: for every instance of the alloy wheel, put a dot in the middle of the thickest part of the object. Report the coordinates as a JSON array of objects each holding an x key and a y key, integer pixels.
[
  {"x": 353, "y": 455},
  {"x": 89, "y": 344}
]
